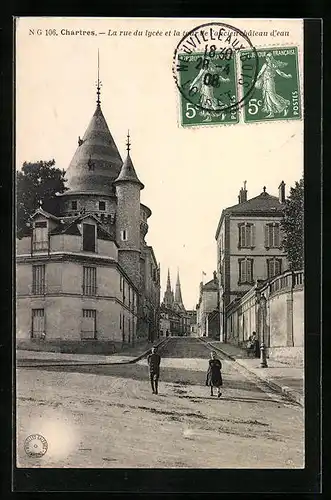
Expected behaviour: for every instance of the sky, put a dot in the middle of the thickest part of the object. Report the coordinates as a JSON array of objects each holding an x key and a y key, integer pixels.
[{"x": 190, "y": 174}]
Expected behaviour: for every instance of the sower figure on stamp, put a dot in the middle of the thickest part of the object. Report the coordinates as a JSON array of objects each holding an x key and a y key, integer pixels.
[
  {"x": 272, "y": 102},
  {"x": 214, "y": 375},
  {"x": 153, "y": 361}
]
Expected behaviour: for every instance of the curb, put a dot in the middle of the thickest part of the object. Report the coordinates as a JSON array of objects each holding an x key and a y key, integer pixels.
[
  {"x": 19, "y": 363},
  {"x": 287, "y": 391}
]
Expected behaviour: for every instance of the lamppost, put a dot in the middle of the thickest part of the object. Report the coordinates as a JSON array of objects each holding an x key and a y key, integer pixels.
[{"x": 263, "y": 303}]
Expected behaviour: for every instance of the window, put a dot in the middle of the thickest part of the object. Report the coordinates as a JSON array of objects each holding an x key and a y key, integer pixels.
[
  {"x": 38, "y": 323},
  {"x": 89, "y": 280},
  {"x": 245, "y": 271},
  {"x": 38, "y": 279},
  {"x": 74, "y": 205},
  {"x": 88, "y": 330},
  {"x": 40, "y": 236},
  {"x": 272, "y": 235},
  {"x": 89, "y": 237},
  {"x": 274, "y": 267},
  {"x": 102, "y": 205},
  {"x": 124, "y": 235},
  {"x": 246, "y": 235}
]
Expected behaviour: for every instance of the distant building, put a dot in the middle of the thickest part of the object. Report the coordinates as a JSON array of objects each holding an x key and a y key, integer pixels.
[
  {"x": 248, "y": 246},
  {"x": 192, "y": 319},
  {"x": 207, "y": 309},
  {"x": 86, "y": 272},
  {"x": 174, "y": 317}
]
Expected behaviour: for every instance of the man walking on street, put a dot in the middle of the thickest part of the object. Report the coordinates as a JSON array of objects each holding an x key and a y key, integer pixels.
[{"x": 153, "y": 361}]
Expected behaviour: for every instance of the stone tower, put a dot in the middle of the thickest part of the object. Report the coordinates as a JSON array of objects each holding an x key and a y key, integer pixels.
[{"x": 128, "y": 188}]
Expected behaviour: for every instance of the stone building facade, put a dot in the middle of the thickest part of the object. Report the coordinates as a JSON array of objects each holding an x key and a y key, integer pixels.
[
  {"x": 86, "y": 271},
  {"x": 174, "y": 318},
  {"x": 207, "y": 309},
  {"x": 248, "y": 246}
]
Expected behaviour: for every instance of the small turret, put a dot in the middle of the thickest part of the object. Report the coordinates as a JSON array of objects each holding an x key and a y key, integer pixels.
[{"x": 128, "y": 188}]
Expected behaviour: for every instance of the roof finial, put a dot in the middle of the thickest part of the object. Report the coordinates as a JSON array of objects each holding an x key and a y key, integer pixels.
[
  {"x": 264, "y": 188},
  {"x": 99, "y": 84},
  {"x": 128, "y": 144}
]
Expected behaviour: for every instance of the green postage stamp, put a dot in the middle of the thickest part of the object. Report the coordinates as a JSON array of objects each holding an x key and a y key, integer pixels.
[
  {"x": 210, "y": 83},
  {"x": 276, "y": 93}
]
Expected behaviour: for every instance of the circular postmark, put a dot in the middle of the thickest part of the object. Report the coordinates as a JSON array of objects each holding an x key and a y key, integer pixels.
[
  {"x": 205, "y": 67},
  {"x": 35, "y": 445}
]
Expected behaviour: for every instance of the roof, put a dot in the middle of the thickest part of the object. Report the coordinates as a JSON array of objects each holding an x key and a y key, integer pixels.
[
  {"x": 45, "y": 214},
  {"x": 69, "y": 225},
  {"x": 96, "y": 162},
  {"x": 128, "y": 173},
  {"x": 211, "y": 285},
  {"x": 264, "y": 203},
  {"x": 147, "y": 209}
]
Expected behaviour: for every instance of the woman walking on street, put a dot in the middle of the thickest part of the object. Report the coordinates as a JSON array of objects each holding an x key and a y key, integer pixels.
[{"x": 214, "y": 374}]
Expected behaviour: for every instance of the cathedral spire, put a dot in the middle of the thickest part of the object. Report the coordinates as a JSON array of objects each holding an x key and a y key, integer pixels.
[
  {"x": 168, "y": 282},
  {"x": 178, "y": 293},
  {"x": 168, "y": 299},
  {"x": 99, "y": 84}
]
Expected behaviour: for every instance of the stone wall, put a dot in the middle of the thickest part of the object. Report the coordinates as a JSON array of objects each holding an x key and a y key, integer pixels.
[{"x": 275, "y": 311}]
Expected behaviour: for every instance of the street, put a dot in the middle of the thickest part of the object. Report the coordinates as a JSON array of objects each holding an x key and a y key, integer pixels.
[{"x": 107, "y": 416}]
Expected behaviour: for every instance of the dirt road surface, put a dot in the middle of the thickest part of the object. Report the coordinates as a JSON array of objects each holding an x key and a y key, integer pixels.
[{"x": 107, "y": 416}]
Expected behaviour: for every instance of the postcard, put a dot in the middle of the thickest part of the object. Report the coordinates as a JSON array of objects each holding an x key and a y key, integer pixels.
[{"x": 159, "y": 257}]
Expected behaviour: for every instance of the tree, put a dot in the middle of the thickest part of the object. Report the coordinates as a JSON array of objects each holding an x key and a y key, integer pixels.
[
  {"x": 36, "y": 185},
  {"x": 293, "y": 226}
]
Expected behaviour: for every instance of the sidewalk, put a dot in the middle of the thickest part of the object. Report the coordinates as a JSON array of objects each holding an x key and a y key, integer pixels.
[
  {"x": 128, "y": 355},
  {"x": 279, "y": 376}
]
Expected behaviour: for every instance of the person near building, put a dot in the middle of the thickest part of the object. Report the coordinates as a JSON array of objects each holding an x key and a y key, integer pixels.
[
  {"x": 255, "y": 344},
  {"x": 154, "y": 360},
  {"x": 214, "y": 374}
]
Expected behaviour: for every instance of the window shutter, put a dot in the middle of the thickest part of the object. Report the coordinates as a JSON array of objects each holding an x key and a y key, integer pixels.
[
  {"x": 248, "y": 235},
  {"x": 266, "y": 236},
  {"x": 278, "y": 264},
  {"x": 243, "y": 271},
  {"x": 250, "y": 270},
  {"x": 253, "y": 235},
  {"x": 276, "y": 236},
  {"x": 239, "y": 236}
]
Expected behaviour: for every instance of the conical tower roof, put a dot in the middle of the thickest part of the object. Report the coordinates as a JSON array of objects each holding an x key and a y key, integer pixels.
[
  {"x": 96, "y": 162},
  {"x": 128, "y": 173}
]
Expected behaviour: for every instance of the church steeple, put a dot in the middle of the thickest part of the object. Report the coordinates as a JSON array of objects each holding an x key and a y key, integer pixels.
[
  {"x": 168, "y": 299},
  {"x": 168, "y": 282},
  {"x": 178, "y": 293}
]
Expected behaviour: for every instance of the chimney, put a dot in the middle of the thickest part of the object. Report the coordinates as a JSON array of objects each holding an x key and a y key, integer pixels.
[
  {"x": 281, "y": 192},
  {"x": 243, "y": 194},
  {"x": 215, "y": 276}
]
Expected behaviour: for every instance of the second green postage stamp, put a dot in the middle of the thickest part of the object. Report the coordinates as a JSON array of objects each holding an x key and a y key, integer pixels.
[{"x": 276, "y": 93}]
